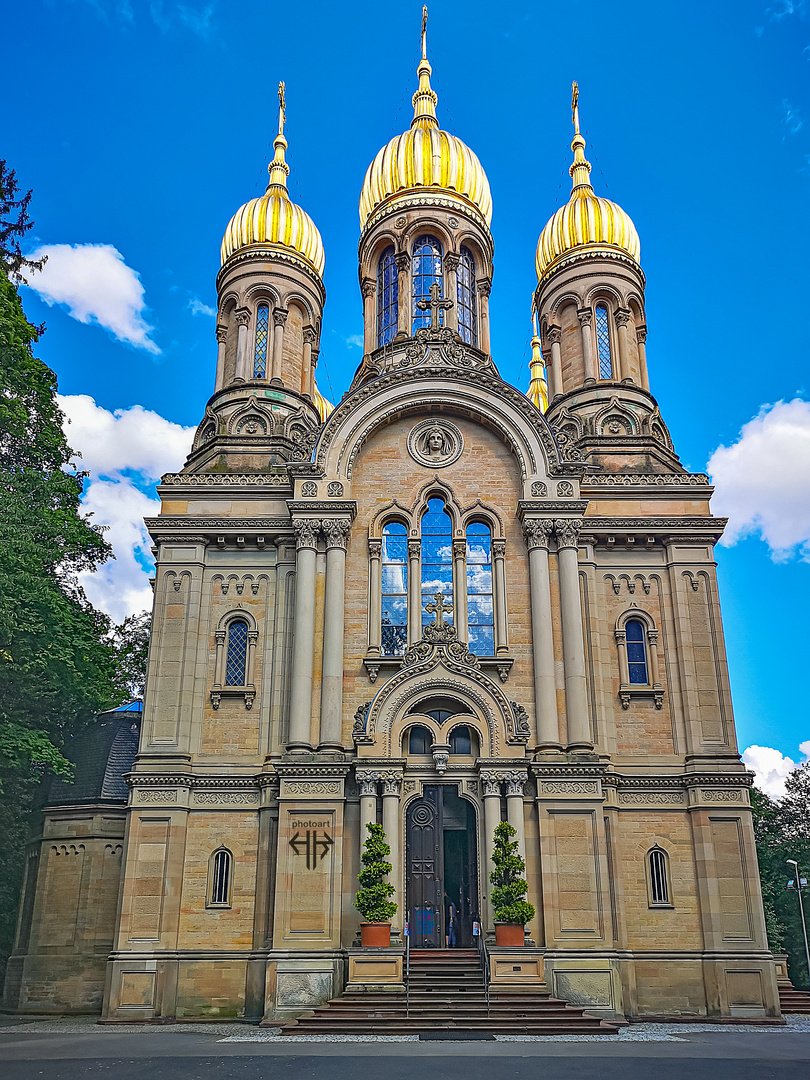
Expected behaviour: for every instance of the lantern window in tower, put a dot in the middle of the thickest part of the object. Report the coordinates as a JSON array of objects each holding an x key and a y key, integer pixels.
[
  {"x": 603, "y": 342},
  {"x": 465, "y": 296},
  {"x": 387, "y": 297},
  {"x": 426, "y": 270},
  {"x": 260, "y": 352}
]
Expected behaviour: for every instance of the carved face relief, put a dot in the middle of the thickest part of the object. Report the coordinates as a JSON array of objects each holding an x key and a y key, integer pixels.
[{"x": 435, "y": 443}]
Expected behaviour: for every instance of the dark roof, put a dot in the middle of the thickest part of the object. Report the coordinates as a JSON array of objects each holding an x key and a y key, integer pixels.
[{"x": 102, "y": 754}]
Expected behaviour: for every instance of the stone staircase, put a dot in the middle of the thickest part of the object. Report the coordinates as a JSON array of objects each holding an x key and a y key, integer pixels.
[
  {"x": 794, "y": 1001},
  {"x": 447, "y": 995}
]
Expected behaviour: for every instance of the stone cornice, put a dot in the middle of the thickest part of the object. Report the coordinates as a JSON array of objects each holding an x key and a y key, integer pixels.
[
  {"x": 225, "y": 480},
  {"x": 308, "y": 770},
  {"x": 711, "y": 526},
  {"x": 178, "y": 521},
  {"x": 549, "y": 506},
  {"x": 648, "y": 480}
]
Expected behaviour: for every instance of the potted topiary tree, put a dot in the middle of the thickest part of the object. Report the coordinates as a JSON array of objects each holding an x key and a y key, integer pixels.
[
  {"x": 512, "y": 911},
  {"x": 372, "y": 899}
]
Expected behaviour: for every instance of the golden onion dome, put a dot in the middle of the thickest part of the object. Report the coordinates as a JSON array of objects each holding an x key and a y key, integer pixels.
[
  {"x": 273, "y": 220},
  {"x": 426, "y": 158},
  {"x": 586, "y": 220},
  {"x": 324, "y": 407},
  {"x": 538, "y": 387}
]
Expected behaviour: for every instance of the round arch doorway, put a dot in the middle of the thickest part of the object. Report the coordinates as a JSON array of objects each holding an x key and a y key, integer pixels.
[{"x": 441, "y": 869}]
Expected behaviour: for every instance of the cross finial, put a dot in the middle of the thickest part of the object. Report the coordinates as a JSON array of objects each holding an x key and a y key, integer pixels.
[
  {"x": 282, "y": 108},
  {"x": 438, "y": 608},
  {"x": 575, "y": 106},
  {"x": 435, "y": 303},
  {"x": 424, "y": 32}
]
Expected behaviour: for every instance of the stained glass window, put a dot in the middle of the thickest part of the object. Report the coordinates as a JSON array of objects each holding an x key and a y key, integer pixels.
[
  {"x": 236, "y": 663},
  {"x": 426, "y": 268},
  {"x": 394, "y": 635},
  {"x": 603, "y": 342},
  {"x": 387, "y": 297},
  {"x": 659, "y": 885},
  {"x": 480, "y": 612},
  {"x": 262, "y": 331},
  {"x": 465, "y": 295},
  {"x": 221, "y": 877},
  {"x": 437, "y": 558},
  {"x": 636, "y": 652}
]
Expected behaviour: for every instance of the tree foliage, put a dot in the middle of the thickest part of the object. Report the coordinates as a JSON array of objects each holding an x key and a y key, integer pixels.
[
  {"x": 372, "y": 900},
  {"x": 509, "y": 886}
]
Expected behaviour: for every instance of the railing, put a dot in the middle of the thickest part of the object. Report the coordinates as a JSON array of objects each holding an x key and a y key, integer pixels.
[
  {"x": 483, "y": 957},
  {"x": 407, "y": 964}
]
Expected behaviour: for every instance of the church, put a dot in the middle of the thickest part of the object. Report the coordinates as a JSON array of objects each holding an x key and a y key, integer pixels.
[{"x": 442, "y": 603}]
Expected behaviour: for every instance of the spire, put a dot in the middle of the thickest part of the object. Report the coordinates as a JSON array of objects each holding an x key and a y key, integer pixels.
[
  {"x": 278, "y": 168},
  {"x": 538, "y": 388},
  {"x": 424, "y": 100},
  {"x": 581, "y": 169}
]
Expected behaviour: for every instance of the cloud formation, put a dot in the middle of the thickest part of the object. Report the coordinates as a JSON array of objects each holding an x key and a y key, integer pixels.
[
  {"x": 772, "y": 768},
  {"x": 763, "y": 480},
  {"x": 95, "y": 285},
  {"x": 125, "y": 452},
  {"x": 197, "y": 307}
]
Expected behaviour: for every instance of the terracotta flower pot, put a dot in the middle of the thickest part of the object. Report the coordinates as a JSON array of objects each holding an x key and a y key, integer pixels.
[
  {"x": 508, "y": 934},
  {"x": 375, "y": 935}
]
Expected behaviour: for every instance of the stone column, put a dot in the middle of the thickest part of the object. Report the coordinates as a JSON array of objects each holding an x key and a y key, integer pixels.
[
  {"x": 279, "y": 319},
  {"x": 306, "y": 366},
  {"x": 499, "y": 596},
  {"x": 555, "y": 369},
  {"x": 652, "y": 650},
  {"x": 244, "y": 369},
  {"x": 391, "y": 784},
  {"x": 491, "y": 791},
  {"x": 313, "y": 364},
  {"x": 374, "y": 597},
  {"x": 621, "y": 646},
  {"x": 484, "y": 289},
  {"x": 515, "y": 781},
  {"x": 591, "y": 370},
  {"x": 369, "y": 291},
  {"x": 219, "y": 663},
  {"x": 537, "y": 532},
  {"x": 576, "y": 687},
  {"x": 306, "y": 540},
  {"x": 622, "y": 317},
  {"x": 404, "y": 298},
  {"x": 450, "y": 267},
  {"x": 336, "y": 531},
  {"x": 368, "y": 801},
  {"x": 460, "y": 588},
  {"x": 641, "y": 338},
  {"x": 414, "y": 592},
  {"x": 222, "y": 334}
]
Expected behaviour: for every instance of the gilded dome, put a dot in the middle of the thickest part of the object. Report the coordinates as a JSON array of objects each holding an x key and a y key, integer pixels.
[
  {"x": 586, "y": 219},
  {"x": 273, "y": 220},
  {"x": 425, "y": 157}
]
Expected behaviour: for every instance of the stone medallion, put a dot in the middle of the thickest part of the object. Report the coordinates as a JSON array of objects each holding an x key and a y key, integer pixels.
[{"x": 435, "y": 443}]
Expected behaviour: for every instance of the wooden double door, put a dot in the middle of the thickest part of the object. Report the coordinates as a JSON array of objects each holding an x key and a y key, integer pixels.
[{"x": 442, "y": 869}]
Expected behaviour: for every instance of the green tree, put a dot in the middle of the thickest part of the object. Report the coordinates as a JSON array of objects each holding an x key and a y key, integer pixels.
[
  {"x": 372, "y": 900},
  {"x": 509, "y": 886}
]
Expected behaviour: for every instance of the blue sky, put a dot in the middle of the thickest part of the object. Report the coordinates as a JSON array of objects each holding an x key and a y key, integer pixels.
[{"x": 143, "y": 126}]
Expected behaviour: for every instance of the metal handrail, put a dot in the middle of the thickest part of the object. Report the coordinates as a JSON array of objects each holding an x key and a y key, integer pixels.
[
  {"x": 408, "y": 966},
  {"x": 483, "y": 956}
]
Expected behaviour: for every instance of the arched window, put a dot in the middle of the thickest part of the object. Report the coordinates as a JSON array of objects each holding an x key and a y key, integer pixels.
[
  {"x": 426, "y": 268},
  {"x": 420, "y": 740},
  {"x": 480, "y": 613},
  {"x": 387, "y": 297},
  {"x": 636, "y": 653},
  {"x": 394, "y": 635},
  {"x": 262, "y": 332},
  {"x": 460, "y": 741},
  {"x": 236, "y": 661},
  {"x": 603, "y": 342},
  {"x": 658, "y": 881},
  {"x": 465, "y": 296},
  {"x": 437, "y": 558},
  {"x": 219, "y": 878}
]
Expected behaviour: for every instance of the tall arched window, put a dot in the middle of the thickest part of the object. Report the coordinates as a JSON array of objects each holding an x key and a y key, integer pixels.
[
  {"x": 262, "y": 332},
  {"x": 219, "y": 878},
  {"x": 387, "y": 297},
  {"x": 437, "y": 558},
  {"x": 420, "y": 740},
  {"x": 236, "y": 661},
  {"x": 394, "y": 635},
  {"x": 636, "y": 652},
  {"x": 480, "y": 612},
  {"x": 465, "y": 296},
  {"x": 426, "y": 268},
  {"x": 658, "y": 877},
  {"x": 603, "y": 342}
]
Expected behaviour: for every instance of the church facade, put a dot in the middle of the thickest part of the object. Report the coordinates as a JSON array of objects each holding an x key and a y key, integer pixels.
[{"x": 440, "y": 604}]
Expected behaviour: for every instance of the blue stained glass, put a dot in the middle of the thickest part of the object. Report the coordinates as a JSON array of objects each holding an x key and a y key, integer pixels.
[
  {"x": 437, "y": 558},
  {"x": 426, "y": 268},
  {"x": 237, "y": 653},
  {"x": 480, "y": 610},
  {"x": 636, "y": 653},
  {"x": 394, "y": 626},
  {"x": 262, "y": 330},
  {"x": 465, "y": 297},
  {"x": 387, "y": 297},
  {"x": 603, "y": 342}
]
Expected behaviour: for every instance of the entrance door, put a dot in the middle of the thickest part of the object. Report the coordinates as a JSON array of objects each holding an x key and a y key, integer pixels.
[{"x": 442, "y": 874}]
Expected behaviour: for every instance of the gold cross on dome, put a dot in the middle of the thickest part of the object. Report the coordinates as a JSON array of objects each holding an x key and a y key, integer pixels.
[
  {"x": 438, "y": 609},
  {"x": 435, "y": 303}
]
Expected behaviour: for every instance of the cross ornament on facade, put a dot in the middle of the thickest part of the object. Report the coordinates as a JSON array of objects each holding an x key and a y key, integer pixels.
[
  {"x": 435, "y": 303},
  {"x": 438, "y": 609}
]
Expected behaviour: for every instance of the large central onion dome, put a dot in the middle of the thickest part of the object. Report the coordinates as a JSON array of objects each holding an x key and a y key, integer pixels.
[
  {"x": 586, "y": 220},
  {"x": 273, "y": 220},
  {"x": 426, "y": 161}
]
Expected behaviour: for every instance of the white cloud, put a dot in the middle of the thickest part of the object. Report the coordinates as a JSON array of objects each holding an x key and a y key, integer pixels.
[
  {"x": 197, "y": 307},
  {"x": 95, "y": 285},
  {"x": 124, "y": 452},
  {"x": 772, "y": 768},
  {"x": 791, "y": 118},
  {"x": 763, "y": 479},
  {"x": 356, "y": 340}
]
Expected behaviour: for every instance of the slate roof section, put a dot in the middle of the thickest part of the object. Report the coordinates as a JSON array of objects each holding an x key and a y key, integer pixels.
[{"x": 102, "y": 754}]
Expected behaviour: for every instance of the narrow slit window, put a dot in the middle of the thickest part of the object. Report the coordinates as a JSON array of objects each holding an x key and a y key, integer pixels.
[
  {"x": 603, "y": 342},
  {"x": 637, "y": 653},
  {"x": 262, "y": 332},
  {"x": 394, "y": 630},
  {"x": 236, "y": 663},
  {"x": 426, "y": 269},
  {"x": 465, "y": 296},
  {"x": 221, "y": 878},
  {"x": 480, "y": 612},
  {"x": 387, "y": 297},
  {"x": 659, "y": 880}
]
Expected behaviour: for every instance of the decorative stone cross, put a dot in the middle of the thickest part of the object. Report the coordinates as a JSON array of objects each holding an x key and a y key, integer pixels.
[
  {"x": 438, "y": 609},
  {"x": 435, "y": 303}
]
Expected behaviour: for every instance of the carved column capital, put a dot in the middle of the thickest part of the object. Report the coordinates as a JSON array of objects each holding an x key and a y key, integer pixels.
[
  {"x": 459, "y": 547},
  {"x": 567, "y": 530},
  {"x": 621, "y": 635},
  {"x": 242, "y": 316},
  {"x": 498, "y": 549},
  {"x": 516, "y": 779},
  {"x": 537, "y": 532},
  {"x": 641, "y": 333},
  {"x": 414, "y": 549},
  {"x": 490, "y": 782},
  {"x": 374, "y": 548},
  {"x": 367, "y": 779},
  {"x": 554, "y": 334},
  {"x": 485, "y": 286},
  {"x": 280, "y": 316},
  {"x": 403, "y": 261},
  {"x": 391, "y": 782},
  {"x": 306, "y": 532},
  {"x": 451, "y": 261},
  {"x": 336, "y": 531},
  {"x": 222, "y": 333},
  {"x": 315, "y": 354},
  {"x": 622, "y": 316},
  {"x": 585, "y": 315},
  {"x": 652, "y": 635},
  {"x": 368, "y": 287},
  {"x": 310, "y": 337}
]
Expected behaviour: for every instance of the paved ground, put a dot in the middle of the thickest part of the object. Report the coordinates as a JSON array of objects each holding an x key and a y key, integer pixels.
[{"x": 80, "y": 1050}]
